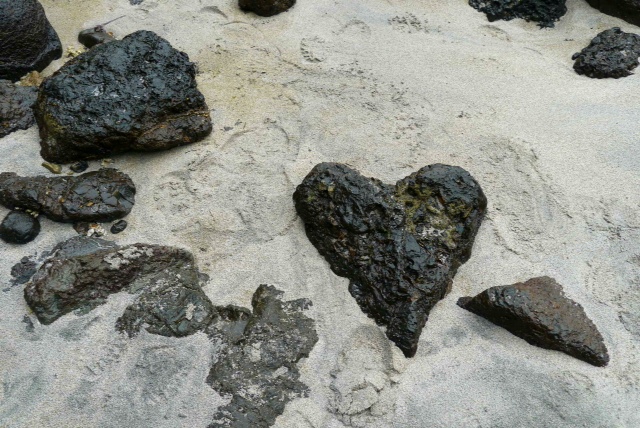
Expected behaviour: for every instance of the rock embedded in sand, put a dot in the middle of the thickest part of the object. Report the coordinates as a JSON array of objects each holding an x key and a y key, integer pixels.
[
  {"x": 103, "y": 195},
  {"x": 118, "y": 226},
  {"x": 400, "y": 246},
  {"x": 134, "y": 94},
  {"x": 27, "y": 40},
  {"x": 612, "y": 53},
  {"x": 266, "y": 7},
  {"x": 94, "y": 36},
  {"x": 544, "y": 12},
  {"x": 16, "y": 107},
  {"x": 629, "y": 10},
  {"x": 539, "y": 312},
  {"x": 18, "y": 227}
]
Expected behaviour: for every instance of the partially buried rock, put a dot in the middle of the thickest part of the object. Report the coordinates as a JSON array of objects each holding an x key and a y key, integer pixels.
[
  {"x": 96, "y": 35},
  {"x": 18, "y": 227},
  {"x": 540, "y": 313},
  {"x": 544, "y": 12},
  {"x": 134, "y": 94},
  {"x": 16, "y": 107},
  {"x": 96, "y": 196},
  {"x": 400, "y": 245},
  {"x": 612, "y": 53},
  {"x": 27, "y": 40},
  {"x": 80, "y": 166},
  {"x": 266, "y": 7},
  {"x": 629, "y": 10},
  {"x": 118, "y": 226}
]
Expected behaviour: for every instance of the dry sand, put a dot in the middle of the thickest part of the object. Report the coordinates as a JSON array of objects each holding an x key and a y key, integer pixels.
[{"x": 386, "y": 86}]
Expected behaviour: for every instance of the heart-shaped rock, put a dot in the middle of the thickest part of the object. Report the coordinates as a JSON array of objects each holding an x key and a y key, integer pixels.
[{"x": 401, "y": 245}]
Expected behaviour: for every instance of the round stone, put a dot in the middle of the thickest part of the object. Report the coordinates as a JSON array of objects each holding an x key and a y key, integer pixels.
[{"x": 18, "y": 227}]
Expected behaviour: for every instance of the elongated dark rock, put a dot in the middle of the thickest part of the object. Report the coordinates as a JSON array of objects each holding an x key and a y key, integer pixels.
[
  {"x": 134, "y": 94},
  {"x": 612, "y": 53},
  {"x": 540, "y": 313},
  {"x": 16, "y": 107},
  {"x": 28, "y": 42},
  {"x": 544, "y": 12},
  {"x": 97, "y": 196},
  {"x": 629, "y": 10},
  {"x": 266, "y": 7},
  {"x": 400, "y": 246}
]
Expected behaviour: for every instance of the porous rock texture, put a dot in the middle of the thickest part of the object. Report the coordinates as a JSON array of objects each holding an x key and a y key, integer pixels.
[
  {"x": 544, "y": 12},
  {"x": 629, "y": 10},
  {"x": 134, "y": 94},
  {"x": 16, "y": 107},
  {"x": 103, "y": 195},
  {"x": 266, "y": 7},
  {"x": 400, "y": 245},
  {"x": 28, "y": 42},
  {"x": 612, "y": 53},
  {"x": 539, "y": 312}
]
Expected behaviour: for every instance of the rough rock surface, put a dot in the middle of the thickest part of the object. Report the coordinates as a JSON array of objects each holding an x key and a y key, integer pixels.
[
  {"x": 544, "y": 12},
  {"x": 27, "y": 40},
  {"x": 400, "y": 245},
  {"x": 22, "y": 271},
  {"x": 134, "y": 94},
  {"x": 629, "y": 10},
  {"x": 258, "y": 366},
  {"x": 538, "y": 311},
  {"x": 18, "y": 227},
  {"x": 266, "y": 7},
  {"x": 103, "y": 195},
  {"x": 16, "y": 104},
  {"x": 612, "y": 53}
]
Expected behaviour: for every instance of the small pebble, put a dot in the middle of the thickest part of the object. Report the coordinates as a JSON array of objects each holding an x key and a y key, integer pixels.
[
  {"x": 18, "y": 227},
  {"x": 80, "y": 166},
  {"x": 118, "y": 226},
  {"x": 54, "y": 168}
]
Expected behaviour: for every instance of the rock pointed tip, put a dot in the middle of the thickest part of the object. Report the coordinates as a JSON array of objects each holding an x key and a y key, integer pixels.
[{"x": 463, "y": 301}]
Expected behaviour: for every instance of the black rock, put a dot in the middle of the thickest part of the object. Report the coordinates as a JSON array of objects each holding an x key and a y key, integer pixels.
[
  {"x": 544, "y": 12},
  {"x": 266, "y": 7},
  {"x": 400, "y": 245},
  {"x": 18, "y": 227},
  {"x": 80, "y": 166},
  {"x": 258, "y": 368},
  {"x": 16, "y": 107},
  {"x": 94, "y": 36},
  {"x": 118, "y": 226},
  {"x": 540, "y": 313},
  {"x": 134, "y": 94},
  {"x": 22, "y": 271},
  {"x": 96, "y": 196},
  {"x": 612, "y": 53},
  {"x": 28, "y": 42},
  {"x": 629, "y": 10}
]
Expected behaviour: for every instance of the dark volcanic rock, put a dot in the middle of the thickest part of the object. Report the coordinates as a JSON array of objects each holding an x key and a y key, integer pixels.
[
  {"x": 103, "y": 195},
  {"x": 400, "y": 245},
  {"x": 266, "y": 7},
  {"x": 629, "y": 10},
  {"x": 16, "y": 107},
  {"x": 80, "y": 166},
  {"x": 134, "y": 94},
  {"x": 118, "y": 226},
  {"x": 258, "y": 367},
  {"x": 27, "y": 40},
  {"x": 612, "y": 53},
  {"x": 544, "y": 12},
  {"x": 94, "y": 36},
  {"x": 18, "y": 227},
  {"x": 540, "y": 313},
  {"x": 22, "y": 271}
]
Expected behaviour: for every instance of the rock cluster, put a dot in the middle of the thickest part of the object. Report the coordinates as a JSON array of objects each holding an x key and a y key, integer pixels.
[
  {"x": 629, "y": 10},
  {"x": 544, "y": 12},
  {"x": 400, "y": 246},
  {"x": 612, "y": 53},
  {"x": 16, "y": 107}
]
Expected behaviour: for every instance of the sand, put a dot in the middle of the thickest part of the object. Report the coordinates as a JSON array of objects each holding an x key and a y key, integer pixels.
[{"x": 385, "y": 86}]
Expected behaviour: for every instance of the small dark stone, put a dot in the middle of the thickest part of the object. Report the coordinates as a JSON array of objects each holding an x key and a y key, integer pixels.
[
  {"x": 94, "y": 36},
  {"x": 18, "y": 227},
  {"x": 135, "y": 2},
  {"x": 539, "y": 312},
  {"x": 28, "y": 42},
  {"x": 266, "y": 7},
  {"x": 29, "y": 324},
  {"x": 612, "y": 53},
  {"x": 629, "y": 10},
  {"x": 23, "y": 271},
  {"x": 97, "y": 196},
  {"x": 400, "y": 246},
  {"x": 544, "y": 12},
  {"x": 16, "y": 107},
  {"x": 80, "y": 166},
  {"x": 118, "y": 226},
  {"x": 134, "y": 94}
]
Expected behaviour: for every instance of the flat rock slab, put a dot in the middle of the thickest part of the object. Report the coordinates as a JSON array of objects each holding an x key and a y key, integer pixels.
[
  {"x": 97, "y": 196},
  {"x": 544, "y": 12},
  {"x": 266, "y": 7},
  {"x": 134, "y": 94},
  {"x": 629, "y": 10},
  {"x": 16, "y": 107},
  {"x": 400, "y": 246},
  {"x": 28, "y": 42},
  {"x": 540, "y": 313},
  {"x": 612, "y": 53}
]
